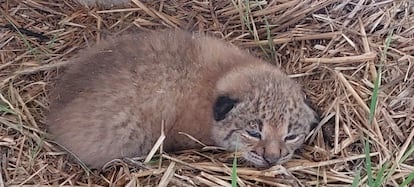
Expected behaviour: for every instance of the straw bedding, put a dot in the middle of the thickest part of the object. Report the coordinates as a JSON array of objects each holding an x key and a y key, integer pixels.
[{"x": 333, "y": 47}]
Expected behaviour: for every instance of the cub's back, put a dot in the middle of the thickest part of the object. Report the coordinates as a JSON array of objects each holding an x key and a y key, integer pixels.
[{"x": 107, "y": 100}]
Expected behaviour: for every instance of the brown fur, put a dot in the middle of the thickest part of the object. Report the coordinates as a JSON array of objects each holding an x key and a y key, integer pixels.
[{"x": 111, "y": 101}]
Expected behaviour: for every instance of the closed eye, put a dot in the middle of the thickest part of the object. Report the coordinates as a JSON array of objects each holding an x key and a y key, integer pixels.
[
  {"x": 291, "y": 137},
  {"x": 254, "y": 134}
]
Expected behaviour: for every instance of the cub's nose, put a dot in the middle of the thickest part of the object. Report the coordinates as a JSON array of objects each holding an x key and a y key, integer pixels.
[
  {"x": 273, "y": 157},
  {"x": 271, "y": 153}
]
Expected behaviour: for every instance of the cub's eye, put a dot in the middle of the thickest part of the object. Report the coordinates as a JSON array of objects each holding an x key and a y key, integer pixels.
[
  {"x": 291, "y": 137},
  {"x": 253, "y": 133}
]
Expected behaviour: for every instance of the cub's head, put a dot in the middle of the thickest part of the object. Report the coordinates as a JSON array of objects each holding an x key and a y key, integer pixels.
[{"x": 262, "y": 113}]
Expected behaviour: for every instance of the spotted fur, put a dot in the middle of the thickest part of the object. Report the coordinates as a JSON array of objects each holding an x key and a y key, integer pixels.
[{"x": 271, "y": 119}]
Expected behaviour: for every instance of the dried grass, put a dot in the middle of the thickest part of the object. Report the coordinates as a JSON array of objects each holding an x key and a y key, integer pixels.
[{"x": 332, "y": 47}]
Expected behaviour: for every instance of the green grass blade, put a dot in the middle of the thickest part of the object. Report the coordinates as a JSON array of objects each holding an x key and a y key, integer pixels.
[
  {"x": 368, "y": 163},
  {"x": 406, "y": 154},
  {"x": 374, "y": 99},
  {"x": 377, "y": 81},
  {"x": 357, "y": 178},
  {"x": 407, "y": 180},
  {"x": 371, "y": 116},
  {"x": 380, "y": 177},
  {"x": 234, "y": 172},
  {"x": 268, "y": 37},
  {"x": 234, "y": 168},
  {"x": 246, "y": 16},
  {"x": 6, "y": 109}
]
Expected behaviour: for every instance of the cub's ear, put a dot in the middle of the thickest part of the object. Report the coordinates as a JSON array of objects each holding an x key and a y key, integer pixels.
[
  {"x": 316, "y": 114},
  {"x": 315, "y": 122},
  {"x": 222, "y": 106}
]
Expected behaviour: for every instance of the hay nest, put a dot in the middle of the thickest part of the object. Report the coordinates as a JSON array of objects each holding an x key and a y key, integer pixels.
[{"x": 333, "y": 47}]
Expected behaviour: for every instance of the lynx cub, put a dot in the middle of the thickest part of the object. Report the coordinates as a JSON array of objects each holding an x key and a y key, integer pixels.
[{"x": 112, "y": 99}]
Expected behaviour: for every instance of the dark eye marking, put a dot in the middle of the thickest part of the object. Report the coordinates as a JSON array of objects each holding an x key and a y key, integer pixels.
[
  {"x": 291, "y": 137},
  {"x": 254, "y": 133},
  {"x": 222, "y": 106}
]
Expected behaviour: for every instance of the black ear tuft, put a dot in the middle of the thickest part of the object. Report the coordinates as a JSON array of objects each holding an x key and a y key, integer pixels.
[{"x": 222, "y": 106}]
